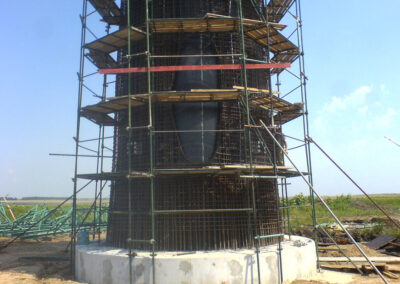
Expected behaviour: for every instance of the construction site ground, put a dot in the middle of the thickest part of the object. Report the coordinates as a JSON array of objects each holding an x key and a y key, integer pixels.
[
  {"x": 14, "y": 269},
  {"x": 45, "y": 261}
]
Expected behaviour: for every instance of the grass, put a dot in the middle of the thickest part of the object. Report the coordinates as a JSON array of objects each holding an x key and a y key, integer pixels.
[{"x": 346, "y": 207}]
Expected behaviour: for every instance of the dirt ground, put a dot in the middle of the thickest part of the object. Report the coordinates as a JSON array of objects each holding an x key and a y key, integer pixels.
[
  {"x": 47, "y": 264},
  {"x": 328, "y": 276}
]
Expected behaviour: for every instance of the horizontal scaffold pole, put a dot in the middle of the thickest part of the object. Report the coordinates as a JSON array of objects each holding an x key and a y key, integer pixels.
[{"x": 193, "y": 68}]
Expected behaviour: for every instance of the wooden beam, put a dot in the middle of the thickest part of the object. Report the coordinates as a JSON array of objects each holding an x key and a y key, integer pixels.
[{"x": 255, "y": 90}]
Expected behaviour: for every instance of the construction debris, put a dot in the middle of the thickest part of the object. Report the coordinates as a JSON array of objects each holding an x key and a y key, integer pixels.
[
  {"x": 43, "y": 223},
  {"x": 380, "y": 241}
]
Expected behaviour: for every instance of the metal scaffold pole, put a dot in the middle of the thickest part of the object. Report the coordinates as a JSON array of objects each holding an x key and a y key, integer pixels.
[
  {"x": 326, "y": 206},
  {"x": 83, "y": 18},
  {"x": 303, "y": 92},
  {"x": 151, "y": 142},
  {"x": 129, "y": 144},
  {"x": 100, "y": 162},
  {"x": 145, "y": 168}
]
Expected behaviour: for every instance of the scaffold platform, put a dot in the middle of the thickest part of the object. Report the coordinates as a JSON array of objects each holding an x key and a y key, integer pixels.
[
  {"x": 257, "y": 30},
  {"x": 234, "y": 169},
  {"x": 285, "y": 111}
]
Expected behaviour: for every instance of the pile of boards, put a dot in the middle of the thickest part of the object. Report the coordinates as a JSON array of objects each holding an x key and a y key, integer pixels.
[{"x": 388, "y": 261}]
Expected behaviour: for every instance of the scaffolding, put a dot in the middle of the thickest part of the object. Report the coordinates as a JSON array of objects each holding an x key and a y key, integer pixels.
[{"x": 248, "y": 158}]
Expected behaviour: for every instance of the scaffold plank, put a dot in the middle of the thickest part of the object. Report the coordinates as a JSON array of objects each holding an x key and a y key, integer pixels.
[
  {"x": 210, "y": 23},
  {"x": 277, "y": 9},
  {"x": 101, "y": 59},
  {"x": 284, "y": 110},
  {"x": 115, "y": 40},
  {"x": 288, "y": 56},
  {"x": 233, "y": 169},
  {"x": 256, "y": 90},
  {"x": 98, "y": 117},
  {"x": 278, "y": 43},
  {"x": 174, "y": 68},
  {"x": 113, "y": 175},
  {"x": 121, "y": 103},
  {"x": 108, "y": 10}
]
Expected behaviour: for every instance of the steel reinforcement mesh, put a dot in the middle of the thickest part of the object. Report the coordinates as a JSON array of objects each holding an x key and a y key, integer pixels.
[
  {"x": 197, "y": 231},
  {"x": 192, "y": 231}
]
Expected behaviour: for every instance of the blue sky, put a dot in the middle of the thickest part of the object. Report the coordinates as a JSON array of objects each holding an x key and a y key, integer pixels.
[{"x": 352, "y": 61}]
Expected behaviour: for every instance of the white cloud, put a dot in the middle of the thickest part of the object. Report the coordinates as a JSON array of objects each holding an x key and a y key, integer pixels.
[
  {"x": 386, "y": 119},
  {"x": 363, "y": 110},
  {"x": 355, "y": 101},
  {"x": 358, "y": 147},
  {"x": 355, "y": 98},
  {"x": 319, "y": 124}
]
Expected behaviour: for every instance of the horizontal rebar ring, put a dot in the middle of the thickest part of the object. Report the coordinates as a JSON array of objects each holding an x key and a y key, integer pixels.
[{"x": 200, "y": 211}]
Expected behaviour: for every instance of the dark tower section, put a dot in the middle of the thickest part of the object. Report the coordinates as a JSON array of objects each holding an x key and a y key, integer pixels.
[{"x": 225, "y": 224}]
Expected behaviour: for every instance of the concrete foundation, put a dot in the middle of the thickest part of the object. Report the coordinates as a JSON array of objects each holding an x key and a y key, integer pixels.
[{"x": 105, "y": 265}]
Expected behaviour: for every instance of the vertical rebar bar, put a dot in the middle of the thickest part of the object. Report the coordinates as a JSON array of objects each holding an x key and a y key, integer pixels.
[{"x": 244, "y": 76}]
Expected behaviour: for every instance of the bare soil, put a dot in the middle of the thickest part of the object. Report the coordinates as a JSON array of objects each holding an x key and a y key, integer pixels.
[
  {"x": 349, "y": 250},
  {"x": 16, "y": 270},
  {"x": 340, "y": 277}
]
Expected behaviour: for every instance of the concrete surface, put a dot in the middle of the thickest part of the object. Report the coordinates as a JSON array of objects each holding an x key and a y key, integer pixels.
[{"x": 106, "y": 265}]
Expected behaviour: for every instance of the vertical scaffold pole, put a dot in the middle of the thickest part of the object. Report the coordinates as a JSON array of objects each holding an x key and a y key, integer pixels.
[
  {"x": 274, "y": 154},
  {"x": 244, "y": 76},
  {"x": 129, "y": 146},
  {"x": 77, "y": 135},
  {"x": 99, "y": 162},
  {"x": 151, "y": 146},
  {"x": 306, "y": 132}
]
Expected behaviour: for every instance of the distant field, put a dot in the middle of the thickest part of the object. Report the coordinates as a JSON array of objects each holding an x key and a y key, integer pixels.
[
  {"x": 346, "y": 207},
  {"x": 52, "y": 202},
  {"x": 20, "y": 207}
]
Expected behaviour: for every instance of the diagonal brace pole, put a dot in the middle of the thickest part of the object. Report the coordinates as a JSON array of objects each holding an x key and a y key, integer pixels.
[{"x": 325, "y": 205}]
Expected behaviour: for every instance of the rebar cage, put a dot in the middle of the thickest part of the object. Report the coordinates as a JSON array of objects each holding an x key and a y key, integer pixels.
[{"x": 199, "y": 211}]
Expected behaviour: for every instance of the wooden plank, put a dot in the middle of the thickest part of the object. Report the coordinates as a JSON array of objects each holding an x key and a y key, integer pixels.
[
  {"x": 256, "y": 90},
  {"x": 278, "y": 8},
  {"x": 393, "y": 268},
  {"x": 380, "y": 241},
  {"x": 258, "y": 167},
  {"x": 390, "y": 275},
  {"x": 248, "y": 22},
  {"x": 386, "y": 259},
  {"x": 115, "y": 40},
  {"x": 285, "y": 111},
  {"x": 109, "y": 11},
  {"x": 173, "y": 68},
  {"x": 349, "y": 266}
]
